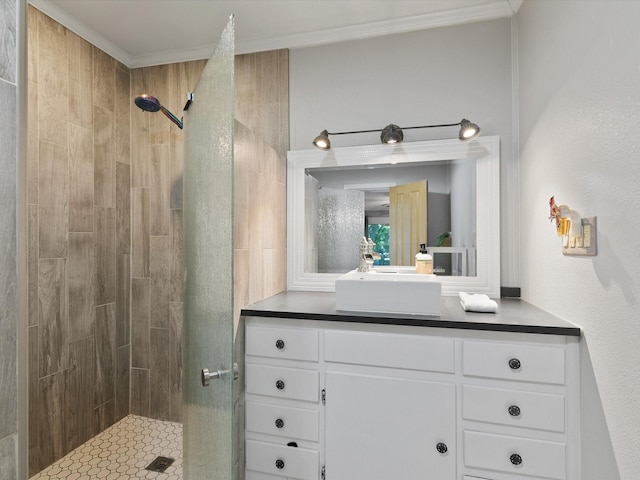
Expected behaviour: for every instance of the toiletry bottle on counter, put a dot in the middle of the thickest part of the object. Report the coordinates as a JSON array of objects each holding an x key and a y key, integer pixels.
[{"x": 424, "y": 261}]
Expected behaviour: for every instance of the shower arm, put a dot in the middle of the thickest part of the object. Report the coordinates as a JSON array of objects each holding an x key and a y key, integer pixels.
[{"x": 172, "y": 117}]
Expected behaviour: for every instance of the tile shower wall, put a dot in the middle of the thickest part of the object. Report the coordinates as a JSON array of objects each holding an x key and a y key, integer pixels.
[
  {"x": 8, "y": 232},
  {"x": 78, "y": 195},
  {"x": 105, "y": 230}
]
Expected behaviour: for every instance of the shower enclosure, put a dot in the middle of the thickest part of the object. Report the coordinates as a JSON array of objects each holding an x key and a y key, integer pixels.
[{"x": 208, "y": 249}]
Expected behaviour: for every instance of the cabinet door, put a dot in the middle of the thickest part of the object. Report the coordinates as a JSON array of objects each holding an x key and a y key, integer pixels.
[{"x": 380, "y": 428}]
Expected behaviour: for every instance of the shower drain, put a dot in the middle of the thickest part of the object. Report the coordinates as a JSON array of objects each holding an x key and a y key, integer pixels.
[{"x": 160, "y": 464}]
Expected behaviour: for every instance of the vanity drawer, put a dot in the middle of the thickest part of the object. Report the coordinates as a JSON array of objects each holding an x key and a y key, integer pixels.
[
  {"x": 282, "y": 421},
  {"x": 413, "y": 352},
  {"x": 515, "y": 455},
  {"x": 514, "y": 361},
  {"x": 286, "y": 343},
  {"x": 280, "y": 382},
  {"x": 281, "y": 460},
  {"x": 515, "y": 408}
]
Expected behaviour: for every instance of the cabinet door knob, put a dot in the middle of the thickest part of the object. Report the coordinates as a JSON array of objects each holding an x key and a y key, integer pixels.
[
  {"x": 515, "y": 459},
  {"x": 514, "y": 411},
  {"x": 279, "y": 464},
  {"x": 279, "y": 423},
  {"x": 280, "y": 344},
  {"x": 514, "y": 364},
  {"x": 280, "y": 385},
  {"x": 441, "y": 447}
]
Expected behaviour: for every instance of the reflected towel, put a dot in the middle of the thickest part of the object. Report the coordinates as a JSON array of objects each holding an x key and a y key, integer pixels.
[{"x": 477, "y": 303}]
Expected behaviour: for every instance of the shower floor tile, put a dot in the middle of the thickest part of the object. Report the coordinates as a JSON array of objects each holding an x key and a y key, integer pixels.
[{"x": 122, "y": 452}]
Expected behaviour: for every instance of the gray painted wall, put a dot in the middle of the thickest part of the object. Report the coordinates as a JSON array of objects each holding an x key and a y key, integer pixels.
[
  {"x": 420, "y": 78},
  {"x": 8, "y": 237},
  {"x": 579, "y": 103}
]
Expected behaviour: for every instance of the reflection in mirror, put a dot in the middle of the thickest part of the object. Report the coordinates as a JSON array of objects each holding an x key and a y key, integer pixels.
[
  {"x": 336, "y": 197},
  {"x": 343, "y": 204}
]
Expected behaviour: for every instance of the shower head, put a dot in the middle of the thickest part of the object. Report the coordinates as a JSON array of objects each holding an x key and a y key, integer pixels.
[{"x": 148, "y": 103}]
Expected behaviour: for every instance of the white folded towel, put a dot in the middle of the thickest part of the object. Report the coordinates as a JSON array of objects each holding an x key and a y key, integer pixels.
[{"x": 477, "y": 302}]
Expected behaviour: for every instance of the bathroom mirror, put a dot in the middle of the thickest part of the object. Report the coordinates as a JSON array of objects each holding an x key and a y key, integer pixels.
[{"x": 482, "y": 234}]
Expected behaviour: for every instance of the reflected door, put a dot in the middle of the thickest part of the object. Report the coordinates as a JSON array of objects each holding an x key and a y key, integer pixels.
[
  {"x": 407, "y": 221},
  {"x": 208, "y": 256}
]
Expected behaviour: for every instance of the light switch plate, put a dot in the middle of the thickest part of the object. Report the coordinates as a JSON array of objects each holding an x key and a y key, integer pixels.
[{"x": 586, "y": 245}]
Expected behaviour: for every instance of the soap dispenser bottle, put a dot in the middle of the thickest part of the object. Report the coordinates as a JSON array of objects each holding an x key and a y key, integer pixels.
[{"x": 424, "y": 261}]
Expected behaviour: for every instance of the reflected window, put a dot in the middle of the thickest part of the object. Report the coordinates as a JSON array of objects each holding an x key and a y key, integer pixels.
[{"x": 379, "y": 233}]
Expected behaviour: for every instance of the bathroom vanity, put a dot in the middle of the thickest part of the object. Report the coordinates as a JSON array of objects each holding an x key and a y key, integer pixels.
[{"x": 462, "y": 396}]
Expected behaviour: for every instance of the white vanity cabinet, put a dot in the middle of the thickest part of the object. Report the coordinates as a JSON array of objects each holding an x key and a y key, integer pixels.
[{"x": 363, "y": 401}]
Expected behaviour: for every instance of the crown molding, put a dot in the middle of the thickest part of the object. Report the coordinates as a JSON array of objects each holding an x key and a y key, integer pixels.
[
  {"x": 62, "y": 17},
  {"x": 376, "y": 29},
  {"x": 309, "y": 39}
]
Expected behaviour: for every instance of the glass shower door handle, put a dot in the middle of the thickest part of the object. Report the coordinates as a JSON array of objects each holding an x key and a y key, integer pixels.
[{"x": 206, "y": 376}]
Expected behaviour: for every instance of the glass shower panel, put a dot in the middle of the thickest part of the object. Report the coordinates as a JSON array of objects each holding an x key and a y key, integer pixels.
[{"x": 208, "y": 252}]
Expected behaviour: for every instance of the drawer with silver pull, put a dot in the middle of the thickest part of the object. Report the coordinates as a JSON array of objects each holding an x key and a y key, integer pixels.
[
  {"x": 514, "y": 361},
  {"x": 285, "y": 343},
  {"x": 282, "y": 460},
  {"x": 515, "y": 408},
  {"x": 515, "y": 455},
  {"x": 281, "y": 382},
  {"x": 289, "y": 422}
]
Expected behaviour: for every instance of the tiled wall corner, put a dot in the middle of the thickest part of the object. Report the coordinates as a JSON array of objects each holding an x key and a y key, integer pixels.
[{"x": 78, "y": 230}]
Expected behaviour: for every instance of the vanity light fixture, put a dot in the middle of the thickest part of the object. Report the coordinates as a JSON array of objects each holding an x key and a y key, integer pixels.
[{"x": 394, "y": 134}]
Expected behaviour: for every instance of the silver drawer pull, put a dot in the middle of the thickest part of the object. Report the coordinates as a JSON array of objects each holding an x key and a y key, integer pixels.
[
  {"x": 279, "y": 464},
  {"x": 280, "y": 385},
  {"x": 515, "y": 459},
  {"x": 514, "y": 364},
  {"x": 514, "y": 411},
  {"x": 280, "y": 344},
  {"x": 279, "y": 423}
]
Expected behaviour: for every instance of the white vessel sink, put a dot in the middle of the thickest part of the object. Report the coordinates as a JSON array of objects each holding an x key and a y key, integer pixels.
[{"x": 389, "y": 290}]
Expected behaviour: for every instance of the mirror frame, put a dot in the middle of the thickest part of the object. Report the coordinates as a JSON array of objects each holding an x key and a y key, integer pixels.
[{"x": 486, "y": 152}]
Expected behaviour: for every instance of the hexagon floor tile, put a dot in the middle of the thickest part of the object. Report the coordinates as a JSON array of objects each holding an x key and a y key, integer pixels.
[{"x": 122, "y": 452}]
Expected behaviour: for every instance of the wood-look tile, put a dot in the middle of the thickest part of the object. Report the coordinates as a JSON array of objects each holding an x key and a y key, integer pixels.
[
  {"x": 104, "y": 80},
  {"x": 105, "y": 255},
  {"x": 140, "y": 232},
  {"x": 32, "y": 44},
  {"x": 175, "y": 348},
  {"x": 140, "y": 392},
  {"x": 80, "y": 81},
  {"x": 53, "y": 312},
  {"x": 32, "y": 142},
  {"x": 159, "y": 125},
  {"x": 54, "y": 200},
  {"x": 140, "y": 322},
  {"x": 123, "y": 369},
  {"x": 159, "y": 190},
  {"x": 82, "y": 274},
  {"x": 123, "y": 300},
  {"x": 53, "y": 91},
  {"x": 104, "y": 416},
  {"x": 123, "y": 115},
  {"x": 33, "y": 399},
  {"x": 81, "y": 376},
  {"x": 104, "y": 157},
  {"x": 176, "y": 170},
  {"x": 32, "y": 264},
  {"x": 123, "y": 207},
  {"x": 159, "y": 389},
  {"x": 105, "y": 338},
  {"x": 177, "y": 256},
  {"x": 52, "y": 433},
  {"x": 140, "y": 131},
  {"x": 81, "y": 179},
  {"x": 160, "y": 275}
]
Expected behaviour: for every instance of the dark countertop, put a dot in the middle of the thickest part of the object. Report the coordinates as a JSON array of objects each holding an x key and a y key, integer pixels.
[{"x": 514, "y": 315}]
